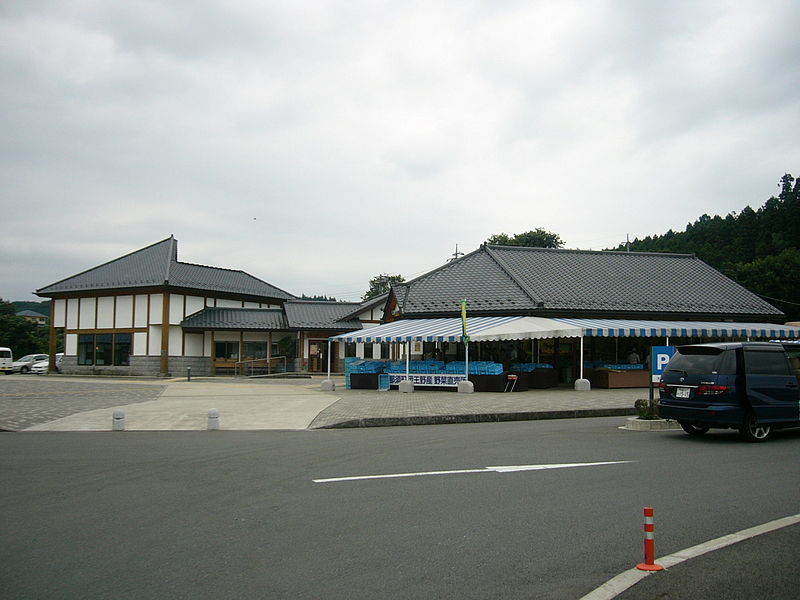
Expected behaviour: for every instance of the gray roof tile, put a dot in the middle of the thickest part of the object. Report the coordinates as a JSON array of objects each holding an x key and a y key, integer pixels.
[
  {"x": 311, "y": 314},
  {"x": 237, "y": 318},
  {"x": 157, "y": 265},
  {"x": 503, "y": 279}
]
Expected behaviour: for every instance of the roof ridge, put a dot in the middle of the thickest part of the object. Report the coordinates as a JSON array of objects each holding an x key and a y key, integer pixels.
[
  {"x": 242, "y": 271},
  {"x": 441, "y": 267},
  {"x": 108, "y": 262},
  {"x": 170, "y": 258},
  {"x": 335, "y": 302},
  {"x": 590, "y": 251},
  {"x": 502, "y": 264}
]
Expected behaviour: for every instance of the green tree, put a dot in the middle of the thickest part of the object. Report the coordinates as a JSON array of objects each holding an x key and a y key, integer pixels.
[
  {"x": 536, "y": 238},
  {"x": 776, "y": 278},
  {"x": 319, "y": 297},
  {"x": 381, "y": 284},
  {"x": 21, "y": 335}
]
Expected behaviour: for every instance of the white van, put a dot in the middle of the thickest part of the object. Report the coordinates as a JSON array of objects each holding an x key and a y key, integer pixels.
[{"x": 6, "y": 360}]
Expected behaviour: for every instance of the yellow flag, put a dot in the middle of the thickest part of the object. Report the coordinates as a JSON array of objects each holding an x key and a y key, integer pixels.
[{"x": 464, "y": 320}]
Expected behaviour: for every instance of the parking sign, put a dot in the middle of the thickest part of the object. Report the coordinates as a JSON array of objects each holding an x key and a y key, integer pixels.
[{"x": 659, "y": 357}]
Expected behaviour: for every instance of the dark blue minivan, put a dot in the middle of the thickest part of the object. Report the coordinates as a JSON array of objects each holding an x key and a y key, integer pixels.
[{"x": 750, "y": 386}]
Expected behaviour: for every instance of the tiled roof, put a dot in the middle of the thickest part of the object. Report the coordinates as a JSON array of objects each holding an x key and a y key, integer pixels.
[
  {"x": 366, "y": 305},
  {"x": 519, "y": 280},
  {"x": 311, "y": 314},
  {"x": 157, "y": 265},
  {"x": 296, "y": 314},
  {"x": 237, "y": 318}
]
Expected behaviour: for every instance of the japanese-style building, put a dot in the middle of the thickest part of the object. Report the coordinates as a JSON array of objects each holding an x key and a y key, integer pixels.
[{"x": 147, "y": 313}]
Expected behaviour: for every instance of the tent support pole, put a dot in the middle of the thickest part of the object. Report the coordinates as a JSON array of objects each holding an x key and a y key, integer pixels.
[
  {"x": 580, "y": 359},
  {"x": 328, "y": 385}
]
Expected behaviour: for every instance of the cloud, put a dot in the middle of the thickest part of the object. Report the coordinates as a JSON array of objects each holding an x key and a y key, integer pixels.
[{"x": 316, "y": 144}]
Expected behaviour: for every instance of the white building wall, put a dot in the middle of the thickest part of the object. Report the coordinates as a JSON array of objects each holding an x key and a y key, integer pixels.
[
  {"x": 175, "y": 340},
  {"x": 124, "y": 312},
  {"x": 71, "y": 344},
  {"x": 156, "y": 308},
  {"x": 229, "y": 303},
  {"x": 105, "y": 312},
  {"x": 72, "y": 313},
  {"x": 86, "y": 313},
  {"x": 139, "y": 343},
  {"x": 226, "y": 336},
  {"x": 193, "y": 344},
  {"x": 175, "y": 309},
  {"x": 255, "y": 336},
  {"x": 154, "y": 345},
  {"x": 194, "y": 304},
  {"x": 60, "y": 313},
  {"x": 140, "y": 311}
]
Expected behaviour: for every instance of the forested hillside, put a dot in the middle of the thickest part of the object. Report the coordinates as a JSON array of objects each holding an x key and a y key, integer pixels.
[{"x": 758, "y": 248}]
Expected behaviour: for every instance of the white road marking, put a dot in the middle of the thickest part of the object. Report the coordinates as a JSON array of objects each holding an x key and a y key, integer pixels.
[
  {"x": 615, "y": 586},
  {"x": 502, "y": 469}
]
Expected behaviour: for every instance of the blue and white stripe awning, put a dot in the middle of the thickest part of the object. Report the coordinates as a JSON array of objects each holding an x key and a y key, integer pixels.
[
  {"x": 518, "y": 328},
  {"x": 422, "y": 330},
  {"x": 689, "y": 329}
]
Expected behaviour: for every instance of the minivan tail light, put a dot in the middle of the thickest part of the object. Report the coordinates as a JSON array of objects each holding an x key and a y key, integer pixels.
[{"x": 712, "y": 390}]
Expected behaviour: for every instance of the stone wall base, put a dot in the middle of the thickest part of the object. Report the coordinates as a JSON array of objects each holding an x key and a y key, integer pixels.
[{"x": 141, "y": 366}]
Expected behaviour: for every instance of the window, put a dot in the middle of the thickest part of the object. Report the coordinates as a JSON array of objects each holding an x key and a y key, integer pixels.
[
  {"x": 703, "y": 361},
  {"x": 85, "y": 349},
  {"x": 367, "y": 349},
  {"x": 122, "y": 349},
  {"x": 765, "y": 363},
  {"x": 384, "y": 349},
  {"x": 349, "y": 349},
  {"x": 226, "y": 350},
  {"x": 254, "y": 350},
  {"x": 104, "y": 349}
]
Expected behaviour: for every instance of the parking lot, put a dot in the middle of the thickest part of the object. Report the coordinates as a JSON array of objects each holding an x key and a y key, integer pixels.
[{"x": 28, "y": 400}]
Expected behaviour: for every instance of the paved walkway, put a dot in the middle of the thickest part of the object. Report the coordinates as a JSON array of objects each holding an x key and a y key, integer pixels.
[{"x": 63, "y": 403}]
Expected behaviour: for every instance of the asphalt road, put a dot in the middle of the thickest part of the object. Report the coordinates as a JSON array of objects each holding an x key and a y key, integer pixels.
[{"x": 238, "y": 514}]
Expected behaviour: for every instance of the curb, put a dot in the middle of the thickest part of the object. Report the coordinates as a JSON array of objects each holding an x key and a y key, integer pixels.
[{"x": 478, "y": 418}]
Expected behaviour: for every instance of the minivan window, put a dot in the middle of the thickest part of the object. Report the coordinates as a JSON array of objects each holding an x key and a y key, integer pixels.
[
  {"x": 702, "y": 361},
  {"x": 5, "y": 353},
  {"x": 765, "y": 363}
]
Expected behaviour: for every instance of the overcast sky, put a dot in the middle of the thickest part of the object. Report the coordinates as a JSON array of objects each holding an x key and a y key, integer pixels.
[{"x": 317, "y": 144}]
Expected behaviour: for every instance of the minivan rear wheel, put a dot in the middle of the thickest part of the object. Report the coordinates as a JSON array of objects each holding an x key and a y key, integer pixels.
[
  {"x": 753, "y": 431},
  {"x": 693, "y": 429}
]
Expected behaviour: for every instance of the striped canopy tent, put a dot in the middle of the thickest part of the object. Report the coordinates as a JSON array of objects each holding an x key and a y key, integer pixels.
[
  {"x": 424, "y": 330},
  {"x": 482, "y": 329}
]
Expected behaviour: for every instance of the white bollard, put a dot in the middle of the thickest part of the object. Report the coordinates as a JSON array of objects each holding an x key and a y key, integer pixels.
[
  {"x": 582, "y": 385},
  {"x": 406, "y": 386},
  {"x": 466, "y": 387},
  {"x": 213, "y": 419},
  {"x": 328, "y": 385},
  {"x": 118, "y": 420}
]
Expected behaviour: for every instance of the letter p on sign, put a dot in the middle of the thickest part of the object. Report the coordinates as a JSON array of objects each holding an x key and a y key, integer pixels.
[{"x": 661, "y": 356}]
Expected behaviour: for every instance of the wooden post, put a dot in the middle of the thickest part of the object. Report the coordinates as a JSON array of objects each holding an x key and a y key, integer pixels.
[
  {"x": 164, "y": 367},
  {"x": 300, "y": 351},
  {"x": 269, "y": 353},
  {"x": 213, "y": 357},
  {"x": 51, "y": 368}
]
